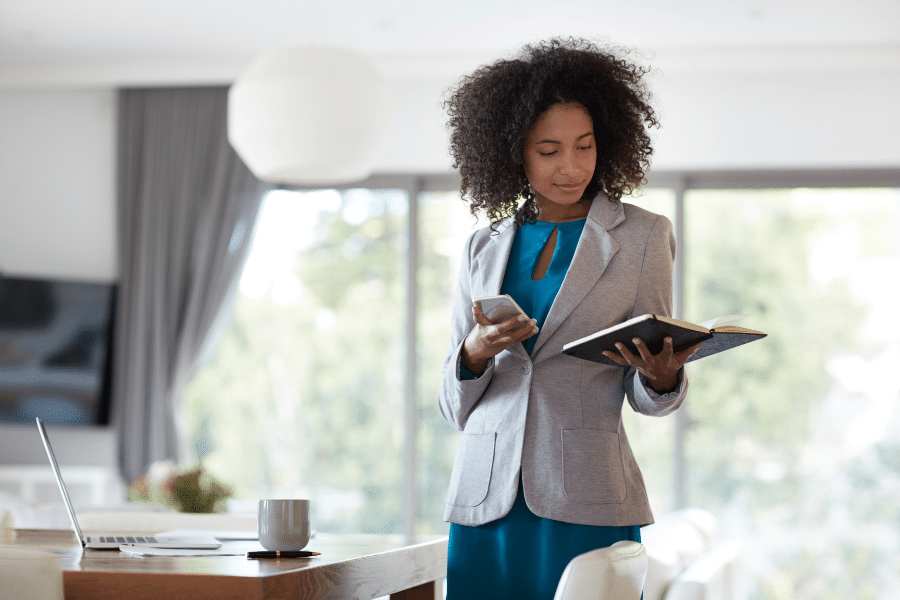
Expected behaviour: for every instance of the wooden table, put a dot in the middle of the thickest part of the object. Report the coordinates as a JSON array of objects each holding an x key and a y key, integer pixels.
[{"x": 351, "y": 566}]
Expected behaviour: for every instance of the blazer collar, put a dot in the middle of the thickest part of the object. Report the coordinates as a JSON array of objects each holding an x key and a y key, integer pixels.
[{"x": 491, "y": 263}]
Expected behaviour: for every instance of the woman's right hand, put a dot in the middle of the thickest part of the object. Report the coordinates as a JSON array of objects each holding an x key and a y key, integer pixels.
[{"x": 487, "y": 339}]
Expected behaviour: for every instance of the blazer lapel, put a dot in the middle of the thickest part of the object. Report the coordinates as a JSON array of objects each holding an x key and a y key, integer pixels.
[
  {"x": 491, "y": 267},
  {"x": 594, "y": 251},
  {"x": 491, "y": 263}
]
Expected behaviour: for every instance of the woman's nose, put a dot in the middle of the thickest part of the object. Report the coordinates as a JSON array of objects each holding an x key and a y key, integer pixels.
[{"x": 569, "y": 165}]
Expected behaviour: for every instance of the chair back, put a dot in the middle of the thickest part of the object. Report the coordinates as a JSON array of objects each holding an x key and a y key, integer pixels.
[
  {"x": 614, "y": 573},
  {"x": 29, "y": 575},
  {"x": 674, "y": 542}
]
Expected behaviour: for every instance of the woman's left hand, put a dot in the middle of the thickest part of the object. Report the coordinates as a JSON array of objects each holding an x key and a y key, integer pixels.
[{"x": 660, "y": 370}]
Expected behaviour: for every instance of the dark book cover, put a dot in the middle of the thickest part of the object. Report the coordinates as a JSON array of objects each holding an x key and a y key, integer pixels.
[{"x": 653, "y": 329}]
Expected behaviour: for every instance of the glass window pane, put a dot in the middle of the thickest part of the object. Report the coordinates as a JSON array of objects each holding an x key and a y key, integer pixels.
[
  {"x": 303, "y": 396},
  {"x": 652, "y": 438},
  {"x": 658, "y": 200},
  {"x": 445, "y": 224},
  {"x": 795, "y": 439}
]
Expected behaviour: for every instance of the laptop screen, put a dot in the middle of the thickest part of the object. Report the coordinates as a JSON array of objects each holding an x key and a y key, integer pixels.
[{"x": 59, "y": 480}]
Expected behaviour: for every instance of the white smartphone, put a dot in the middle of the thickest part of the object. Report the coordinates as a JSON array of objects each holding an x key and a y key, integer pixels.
[{"x": 498, "y": 308}]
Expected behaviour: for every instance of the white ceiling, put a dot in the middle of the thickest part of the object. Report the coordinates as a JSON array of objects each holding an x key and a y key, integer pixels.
[{"x": 114, "y": 42}]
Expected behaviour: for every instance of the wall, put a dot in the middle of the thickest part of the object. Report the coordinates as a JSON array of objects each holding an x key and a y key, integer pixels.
[
  {"x": 78, "y": 446},
  {"x": 795, "y": 118},
  {"x": 57, "y": 219},
  {"x": 57, "y": 183},
  {"x": 57, "y": 145}
]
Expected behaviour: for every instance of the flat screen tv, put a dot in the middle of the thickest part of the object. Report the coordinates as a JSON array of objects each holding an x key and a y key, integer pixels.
[{"x": 55, "y": 350}]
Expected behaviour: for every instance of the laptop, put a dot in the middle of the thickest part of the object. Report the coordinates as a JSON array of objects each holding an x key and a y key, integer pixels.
[{"x": 113, "y": 542}]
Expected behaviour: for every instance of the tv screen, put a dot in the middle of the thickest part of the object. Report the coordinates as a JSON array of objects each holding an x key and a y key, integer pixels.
[{"x": 55, "y": 351}]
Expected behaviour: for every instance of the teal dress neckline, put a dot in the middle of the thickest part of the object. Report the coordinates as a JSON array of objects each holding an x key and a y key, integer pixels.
[{"x": 536, "y": 297}]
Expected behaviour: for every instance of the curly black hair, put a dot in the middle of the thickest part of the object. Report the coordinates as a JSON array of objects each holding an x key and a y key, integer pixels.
[{"x": 492, "y": 110}]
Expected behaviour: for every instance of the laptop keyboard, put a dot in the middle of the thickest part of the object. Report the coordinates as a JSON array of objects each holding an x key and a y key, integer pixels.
[{"x": 126, "y": 539}]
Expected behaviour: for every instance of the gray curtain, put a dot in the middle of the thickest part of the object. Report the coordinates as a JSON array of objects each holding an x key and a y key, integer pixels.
[{"x": 187, "y": 205}]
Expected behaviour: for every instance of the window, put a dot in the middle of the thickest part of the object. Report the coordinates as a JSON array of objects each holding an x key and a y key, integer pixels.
[
  {"x": 652, "y": 440},
  {"x": 445, "y": 224},
  {"x": 793, "y": 441},
  {"x": 323, "y": 383},
  {"x": 313, "y": 363},
  {"x": 304, "y": 395}
]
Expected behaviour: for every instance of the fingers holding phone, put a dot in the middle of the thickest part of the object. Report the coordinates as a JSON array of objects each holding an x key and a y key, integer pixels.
[
  {"x": 499, "y": 323},
  {"x": 498, "y": 309}
]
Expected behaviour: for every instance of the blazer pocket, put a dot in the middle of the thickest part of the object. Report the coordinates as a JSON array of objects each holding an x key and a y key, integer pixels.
[
  {"x": 593, "y": 472},
  {"x": 471, "y": 474}
]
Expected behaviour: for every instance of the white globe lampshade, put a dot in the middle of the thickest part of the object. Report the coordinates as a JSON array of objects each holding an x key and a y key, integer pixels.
[{"x": 309, "y": 116}]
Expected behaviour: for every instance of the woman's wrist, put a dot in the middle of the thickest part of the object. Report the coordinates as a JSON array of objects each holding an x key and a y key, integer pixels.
[
  {"x": 666, "y": 386},
  {"x": 474, "y": 366}
]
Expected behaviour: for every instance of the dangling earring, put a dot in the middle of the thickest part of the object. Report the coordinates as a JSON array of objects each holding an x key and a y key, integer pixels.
[{"x": 528, "y": 193}]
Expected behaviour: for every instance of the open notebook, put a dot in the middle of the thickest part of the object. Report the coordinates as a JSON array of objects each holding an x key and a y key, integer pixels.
[{"x": 112, "y": 542}]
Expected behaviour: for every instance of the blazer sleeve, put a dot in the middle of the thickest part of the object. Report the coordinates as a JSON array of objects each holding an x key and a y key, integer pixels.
[
  {"x": 654, "y": 296},
  {"x": 458, "y": 396}
]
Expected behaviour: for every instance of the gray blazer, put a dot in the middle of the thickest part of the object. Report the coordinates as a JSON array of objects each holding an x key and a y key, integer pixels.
[{"x": 551, "y": 417}]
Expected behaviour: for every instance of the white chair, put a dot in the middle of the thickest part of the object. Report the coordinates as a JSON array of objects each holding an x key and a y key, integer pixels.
[
  {"x": 29, "y": 575},
  {"x": 673, "y": 543},
  {"x": 614, "y": 573},
  {"x": 663, "y": 567},
  {"x": 716, "y": 575}
]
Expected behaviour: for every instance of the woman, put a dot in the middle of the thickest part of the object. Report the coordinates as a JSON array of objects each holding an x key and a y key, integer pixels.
[{"x": 543, "y": 470}]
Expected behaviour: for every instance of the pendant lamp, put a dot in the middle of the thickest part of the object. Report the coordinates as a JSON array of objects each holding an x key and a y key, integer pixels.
[{"x": 309, "y": 116}]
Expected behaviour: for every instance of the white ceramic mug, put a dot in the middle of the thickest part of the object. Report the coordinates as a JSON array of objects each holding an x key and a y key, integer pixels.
[{"x": 283, "y": 524}]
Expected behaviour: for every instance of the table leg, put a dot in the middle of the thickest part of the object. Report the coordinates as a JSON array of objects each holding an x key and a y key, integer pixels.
[{"x": 426, "y": 591}]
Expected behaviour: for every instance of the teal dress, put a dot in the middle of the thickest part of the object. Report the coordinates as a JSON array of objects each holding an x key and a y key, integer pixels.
[{"x": 522, "y": 556}]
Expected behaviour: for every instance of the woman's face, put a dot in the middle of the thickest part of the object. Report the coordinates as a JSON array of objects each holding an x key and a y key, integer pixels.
[{"x": 560, "y": 155}]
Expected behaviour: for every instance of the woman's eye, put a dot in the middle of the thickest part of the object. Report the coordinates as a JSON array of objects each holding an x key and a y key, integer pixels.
[{"x": 547, "y": 153}]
